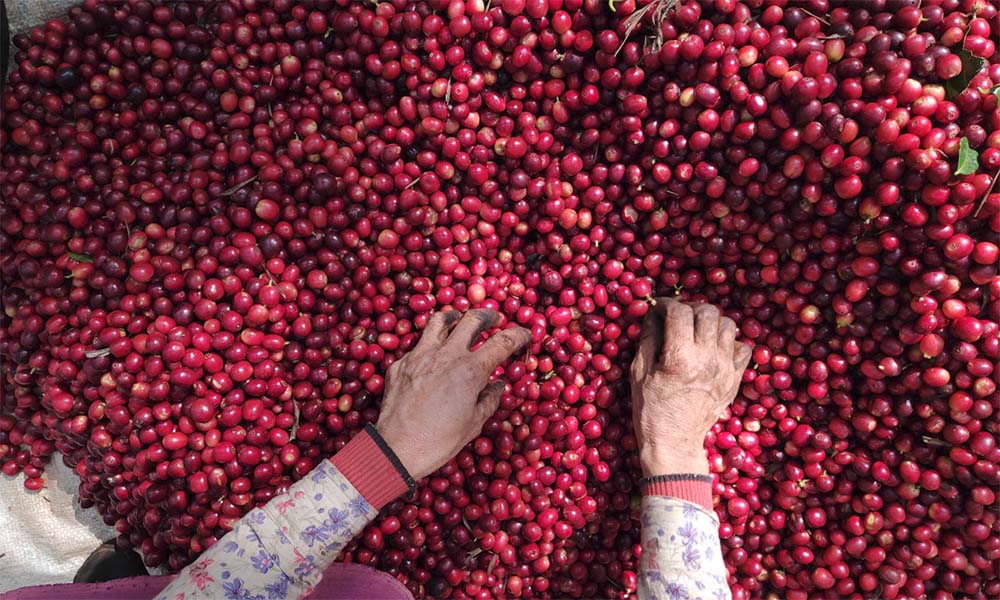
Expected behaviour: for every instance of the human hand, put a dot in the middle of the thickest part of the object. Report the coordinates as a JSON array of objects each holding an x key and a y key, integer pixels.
[
  {"x": 686, "y": 372},
  {"x": 436, "y": 397}
]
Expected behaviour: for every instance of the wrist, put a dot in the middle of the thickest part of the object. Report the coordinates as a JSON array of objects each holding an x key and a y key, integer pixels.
[
  {"x": 373, "y": 468},
  {"x": 666, "y": 461},
  {"x": 398, "y": 447},
  {"x": 693, "y": 488}
]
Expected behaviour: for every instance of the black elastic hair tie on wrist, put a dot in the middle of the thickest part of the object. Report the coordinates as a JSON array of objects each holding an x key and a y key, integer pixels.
[
  {"x": 675, "y": 477},
  {"x": 407, "y": 478}
]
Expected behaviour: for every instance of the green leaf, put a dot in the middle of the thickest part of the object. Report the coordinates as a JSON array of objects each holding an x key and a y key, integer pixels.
[
  {"x": 84, "y": 258},
  {"x": 995, "y": 90},
  {"x": 971, "y": 64},
  {"x": 968, "y": 159}
]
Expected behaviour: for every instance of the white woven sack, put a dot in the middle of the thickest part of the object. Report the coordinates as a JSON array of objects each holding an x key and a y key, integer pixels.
[{"x": 44, "y": 536}]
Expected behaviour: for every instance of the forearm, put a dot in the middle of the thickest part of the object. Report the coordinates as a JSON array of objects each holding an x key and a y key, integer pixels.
[
  {"x": 436, "y": 399},
  {"x": 681, "y": 553},
  {"x": 281, "y": 549}
]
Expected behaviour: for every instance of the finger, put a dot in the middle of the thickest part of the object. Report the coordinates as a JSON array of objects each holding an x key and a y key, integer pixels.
[
  {"x": 649, "y": 343},
  {"x": 660, "y": 305},
  {"x": 394, "y": 367},
  {"x": 741, "y": 357},
  {"x": 678, "y": 327},
  {"x": 706, "y": 324},
  {"x": 489, "y": 400},
  {"x": 437, "y": 328},
  {"x": 472, "y": 325},
  {"x": 500, "y": 346},
  {"x": 727, "y": 336}
]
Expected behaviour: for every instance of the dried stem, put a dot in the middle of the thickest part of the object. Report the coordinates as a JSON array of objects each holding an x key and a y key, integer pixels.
[
  {"x": 989, "y": 190},
  {"x": 815, "y": 16},
  {"x": 659, "y": 10},
  {"x": 239, "y": 186}
]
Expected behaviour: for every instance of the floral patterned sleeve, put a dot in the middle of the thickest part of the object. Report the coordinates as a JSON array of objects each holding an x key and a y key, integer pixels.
[
  {"x": 681, "y": 553},
  {"x": 280, "y": 550}
]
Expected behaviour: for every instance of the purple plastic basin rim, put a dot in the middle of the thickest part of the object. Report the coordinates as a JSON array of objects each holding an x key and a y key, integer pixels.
[{"x": 342, "y": 581}]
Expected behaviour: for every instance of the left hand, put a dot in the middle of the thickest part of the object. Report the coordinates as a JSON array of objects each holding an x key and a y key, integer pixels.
[
  {"x": 687, "y": 370},
  {"x": 436, "y": 397}
]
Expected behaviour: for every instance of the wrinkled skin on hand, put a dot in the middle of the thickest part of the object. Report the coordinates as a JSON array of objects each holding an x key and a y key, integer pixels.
[
  {"x": 686, "y": 372},
  {"x": 437, "y": 398}
]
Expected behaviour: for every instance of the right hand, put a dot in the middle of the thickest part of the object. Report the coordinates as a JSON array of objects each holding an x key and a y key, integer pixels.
[
  {"x": 686, "y": 372},
  {"x": 436, "y": 397}
]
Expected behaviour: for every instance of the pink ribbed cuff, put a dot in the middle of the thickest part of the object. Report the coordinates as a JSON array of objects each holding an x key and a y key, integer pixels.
[
  {"x": 690, "y": 490},
  {"x": 371, "y": 467}
]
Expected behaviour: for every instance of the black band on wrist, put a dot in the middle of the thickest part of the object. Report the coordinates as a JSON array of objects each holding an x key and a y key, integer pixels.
[
  {"x": 407, "y": 479},
  {"x": 675, "y": 477}
]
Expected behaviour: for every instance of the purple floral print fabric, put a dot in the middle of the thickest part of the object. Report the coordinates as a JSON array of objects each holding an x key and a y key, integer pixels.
[
  {"x": 681, "y": 555},
  {"x": 279, "y": 551}
]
